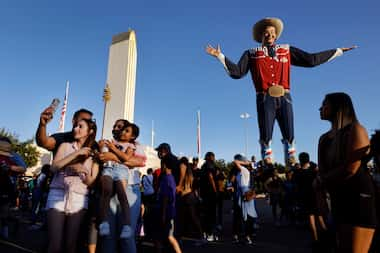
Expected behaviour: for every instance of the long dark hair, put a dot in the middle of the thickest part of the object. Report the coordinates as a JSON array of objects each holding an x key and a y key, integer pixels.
[
  {"x": 135, "y": 131},
  {"x": 343, "y": 116},
  {"x": 342, "y": 109},
  {"x": 188, "y": 178},
  {"x": 90, "y": 141}
]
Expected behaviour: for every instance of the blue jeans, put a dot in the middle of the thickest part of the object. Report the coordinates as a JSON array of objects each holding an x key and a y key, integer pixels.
[
  {"x": 116, "y": 172},
  {"x": 128, "y": 245},
  {"x": 36, "y": 203},
  {"x": 268, "y": 110}
]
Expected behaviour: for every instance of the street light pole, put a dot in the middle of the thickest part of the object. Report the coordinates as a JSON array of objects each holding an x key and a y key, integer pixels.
[
  {"x": 245, "y": 116},
  {"x": 152, "y": 140}
]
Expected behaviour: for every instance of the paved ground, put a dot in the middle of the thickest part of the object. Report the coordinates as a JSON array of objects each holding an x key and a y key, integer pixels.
[{"x": 269, "y": 238}]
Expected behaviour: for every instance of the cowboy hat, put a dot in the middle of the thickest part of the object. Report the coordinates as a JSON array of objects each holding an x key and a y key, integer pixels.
[{"x": 258, "y": 28}]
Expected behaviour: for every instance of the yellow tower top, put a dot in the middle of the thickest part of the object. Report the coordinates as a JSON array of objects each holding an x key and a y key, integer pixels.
[{"x": 130, "y": 35}]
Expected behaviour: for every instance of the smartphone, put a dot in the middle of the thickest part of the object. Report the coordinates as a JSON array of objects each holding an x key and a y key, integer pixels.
[{"x": 54, "y": 104}]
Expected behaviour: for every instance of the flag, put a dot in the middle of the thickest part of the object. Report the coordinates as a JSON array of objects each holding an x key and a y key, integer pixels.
[
  {"x": 152, "y": 143},
  {"x": 199, "y": 133},
  {"x": 64, "y": 108}
]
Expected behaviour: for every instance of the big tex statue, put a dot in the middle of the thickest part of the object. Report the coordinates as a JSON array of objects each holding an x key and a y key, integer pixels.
[{"x": 269, "y": 64}]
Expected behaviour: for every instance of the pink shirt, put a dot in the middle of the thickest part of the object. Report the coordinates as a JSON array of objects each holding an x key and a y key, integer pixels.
[
  {"x": 139, "y": 151},
  {"x": 66, "y": 179},
  {"x": 134, "y": 173}
]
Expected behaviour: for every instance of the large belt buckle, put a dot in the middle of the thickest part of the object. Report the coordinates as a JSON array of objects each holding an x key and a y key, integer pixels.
[{"x": 276, "y": 91}]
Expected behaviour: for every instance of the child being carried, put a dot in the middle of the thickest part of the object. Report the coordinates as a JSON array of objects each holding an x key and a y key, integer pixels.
[{"x": 115, "y": 175}]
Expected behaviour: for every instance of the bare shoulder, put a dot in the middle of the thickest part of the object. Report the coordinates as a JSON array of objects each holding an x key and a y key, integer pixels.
[
  {"x": 358, "y": 130},
  {"x": 358, "y": 126},
  {"x": 358, "y": 136},
  {"x": 64, "y": 146}
]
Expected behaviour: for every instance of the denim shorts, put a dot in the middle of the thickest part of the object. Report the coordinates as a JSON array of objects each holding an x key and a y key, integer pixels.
[
  {"x": 59, "y": 200},
  {"x": 117, "y": 172}
]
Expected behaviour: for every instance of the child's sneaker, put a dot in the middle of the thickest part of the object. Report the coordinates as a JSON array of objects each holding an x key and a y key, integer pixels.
[
  {"x": 104, "y": 229},
  {"x": 126, "y": 232}
]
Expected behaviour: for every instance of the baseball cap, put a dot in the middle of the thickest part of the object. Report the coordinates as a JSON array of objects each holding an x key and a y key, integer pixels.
[
  {"x": 163, "y": 146},
  {"x": 240, "y": 157}
]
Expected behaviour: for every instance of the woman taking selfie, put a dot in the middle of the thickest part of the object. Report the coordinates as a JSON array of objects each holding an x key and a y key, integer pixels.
[{"x": 74, "y": 170}]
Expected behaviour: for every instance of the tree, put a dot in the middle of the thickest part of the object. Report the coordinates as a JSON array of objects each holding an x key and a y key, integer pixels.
[
  {"x": 25, "y": 149},
  {"x": 221, "y": 163}
]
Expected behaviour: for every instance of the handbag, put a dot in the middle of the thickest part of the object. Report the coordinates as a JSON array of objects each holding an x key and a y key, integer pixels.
[{"x": 249, "y": 195}]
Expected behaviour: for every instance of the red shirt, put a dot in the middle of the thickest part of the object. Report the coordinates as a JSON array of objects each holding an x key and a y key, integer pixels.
[{"x": 267, "y": 71}]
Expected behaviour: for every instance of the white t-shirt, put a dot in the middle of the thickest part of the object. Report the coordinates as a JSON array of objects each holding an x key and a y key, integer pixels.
[
  {"x": 248, "y": 207},
  {"x": 134, "y": 174},
  {"x": 243, "y": 180}
]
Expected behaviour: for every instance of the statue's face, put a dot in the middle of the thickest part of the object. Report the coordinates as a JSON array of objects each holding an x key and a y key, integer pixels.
[{"x": 269, "y": 35}]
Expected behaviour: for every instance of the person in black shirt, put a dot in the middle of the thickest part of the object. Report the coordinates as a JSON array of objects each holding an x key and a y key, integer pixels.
[
  {"x": 304, "y": 178},
  {"x": 342, "y": 158},
  {"x": 208, "y": 193},
  {"x": 196, "y": 174},
  {"x": 274, "y": 186},
  {"x": 311, "y": 200},
  {"x": 375, "y": 153},
  {"x": 237, "y": 217},
  {"x": 164, "y": 151}
]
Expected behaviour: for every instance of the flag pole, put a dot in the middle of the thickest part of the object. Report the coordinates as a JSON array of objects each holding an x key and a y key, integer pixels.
[
  {"x": 64, "y": 108},
  {"x": 199, "y": 133}
]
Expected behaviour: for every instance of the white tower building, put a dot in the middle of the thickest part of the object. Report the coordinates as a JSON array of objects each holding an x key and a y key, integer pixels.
[{"x": 121, "y": 80}]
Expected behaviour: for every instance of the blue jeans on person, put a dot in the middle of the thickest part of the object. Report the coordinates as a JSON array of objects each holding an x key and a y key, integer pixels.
[
  {"x": 113, "y": 243},
  {"x": 36, "y": 203},
  {"x": 117, "y": 172},
  {"x": 270, "y": 109}
]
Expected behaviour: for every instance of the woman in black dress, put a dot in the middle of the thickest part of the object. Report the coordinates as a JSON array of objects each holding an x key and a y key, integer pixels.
[{"x": 343, "y": 154}]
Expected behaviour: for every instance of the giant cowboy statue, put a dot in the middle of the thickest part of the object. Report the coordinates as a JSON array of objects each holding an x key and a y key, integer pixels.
[{"x": 269, "y": 64}]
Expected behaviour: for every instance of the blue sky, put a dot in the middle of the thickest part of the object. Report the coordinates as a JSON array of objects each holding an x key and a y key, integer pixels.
[{"x": 45, "y": 43}]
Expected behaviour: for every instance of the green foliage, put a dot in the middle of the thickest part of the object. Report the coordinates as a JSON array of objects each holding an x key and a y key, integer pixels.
[
  {"x": 230, "y": 166},
  {"x": 221, "y": 163},
  {"x": 29, "y": 153},
  {"x": 12, "y": 136},
  {"x": 225, "y": 166},
  {"x": 25, "y": 149}
]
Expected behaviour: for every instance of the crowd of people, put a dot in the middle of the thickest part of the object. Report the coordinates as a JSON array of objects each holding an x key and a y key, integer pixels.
[{"x": 96, "y": 200}]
